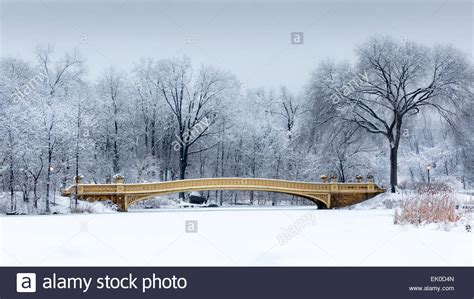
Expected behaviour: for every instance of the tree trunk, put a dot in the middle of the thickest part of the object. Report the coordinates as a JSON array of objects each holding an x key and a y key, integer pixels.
[
  {"x": 183, "y": 164},
  {"x": 221, "y": 192},
  {"x": 393, "y": 168},
  {"x": 275, "y": 196},
  {"x": 152, "y": 137},
  {"x": 116, "y": 158},
  {"x": 76, "y": 180},
  {"x": 48, "y": 173},
  {"x": 48, "y": 180},
  {"x": 35, "y": 193},
  {"x": 394, "y": 144},
  {"x": 342, "y": 174},
  {"x": 12, "y": 180}
]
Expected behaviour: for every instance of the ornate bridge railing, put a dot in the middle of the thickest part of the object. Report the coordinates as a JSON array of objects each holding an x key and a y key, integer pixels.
[{"x": 324, "y": 194}]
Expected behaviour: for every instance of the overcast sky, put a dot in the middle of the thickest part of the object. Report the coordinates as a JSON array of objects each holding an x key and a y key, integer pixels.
[{"x": 249, "y": 38}]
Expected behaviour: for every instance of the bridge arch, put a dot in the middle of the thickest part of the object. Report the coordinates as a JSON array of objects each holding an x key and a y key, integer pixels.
[
  {"x": 139, "y": 192},
  {"x": 320, "y": 200}
]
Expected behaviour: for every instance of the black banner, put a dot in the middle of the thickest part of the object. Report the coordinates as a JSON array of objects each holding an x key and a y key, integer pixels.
[{"x": 236, "y": 282}]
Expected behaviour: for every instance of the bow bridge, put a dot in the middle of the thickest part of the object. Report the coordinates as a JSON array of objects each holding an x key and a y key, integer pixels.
[{"x": 324, "y": 194}]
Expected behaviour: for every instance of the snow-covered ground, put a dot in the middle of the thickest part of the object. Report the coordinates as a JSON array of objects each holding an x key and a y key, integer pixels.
[
  {"x": 271, "y": 236},
  {"x": 58, "y": 205}
]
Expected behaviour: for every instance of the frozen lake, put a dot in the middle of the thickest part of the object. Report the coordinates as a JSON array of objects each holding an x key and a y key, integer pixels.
[{"x": 273, "y": 236}]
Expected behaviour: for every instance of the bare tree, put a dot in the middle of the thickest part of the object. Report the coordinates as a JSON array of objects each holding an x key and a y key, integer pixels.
[
  {"x": 394, "y": 81},
  {"x": 194, "y": 103},
  {"x": 35, "y": 174},
  {"x": 113, "y": 87},
  {"x": 60, "y": 76},
  {"x": 286, "y": 106}
]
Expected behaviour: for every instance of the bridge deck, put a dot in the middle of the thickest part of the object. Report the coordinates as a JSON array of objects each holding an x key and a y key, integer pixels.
[{"x": 330, "y": 194}]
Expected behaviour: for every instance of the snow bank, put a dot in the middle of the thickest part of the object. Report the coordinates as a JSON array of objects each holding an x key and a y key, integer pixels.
[
  {"x": 58, "y": 205},
  {"x": 389, "y": 200},
  {"x": 385, "y": 200}
]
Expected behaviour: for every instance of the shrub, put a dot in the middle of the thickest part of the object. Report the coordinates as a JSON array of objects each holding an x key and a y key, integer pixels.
[
  {"x": 81, "y": 208},
  {"x": 431, "y": 203},
  {"x": 432, "y": 188}
]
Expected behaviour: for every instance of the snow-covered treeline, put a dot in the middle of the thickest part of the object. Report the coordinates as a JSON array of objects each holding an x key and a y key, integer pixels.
[{"x": 399, "y": 108}]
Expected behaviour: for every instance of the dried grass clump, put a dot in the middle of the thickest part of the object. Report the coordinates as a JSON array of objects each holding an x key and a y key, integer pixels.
[{"x": 431, "y": 203}]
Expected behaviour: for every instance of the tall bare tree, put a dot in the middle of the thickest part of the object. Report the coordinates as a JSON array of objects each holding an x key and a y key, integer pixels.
[
  {"x": 194, "y": 100},
  {"x": 112, "y": 88},
  {"x": 60, "y": 76},
  {"x": 393, "y": 81}
]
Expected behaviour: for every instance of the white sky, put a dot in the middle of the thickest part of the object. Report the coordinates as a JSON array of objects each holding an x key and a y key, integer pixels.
[{"x": 249, "y": 38}]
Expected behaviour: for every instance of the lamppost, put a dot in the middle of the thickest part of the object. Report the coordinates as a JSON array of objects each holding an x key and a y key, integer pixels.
[{"x": 428, "y": 168}]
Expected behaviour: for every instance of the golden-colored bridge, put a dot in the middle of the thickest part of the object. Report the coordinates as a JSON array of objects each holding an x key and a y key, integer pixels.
[{"x": 324, "y": 194}]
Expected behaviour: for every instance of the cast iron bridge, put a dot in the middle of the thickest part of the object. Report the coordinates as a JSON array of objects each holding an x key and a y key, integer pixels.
[{"x": 324, "y": 194}]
